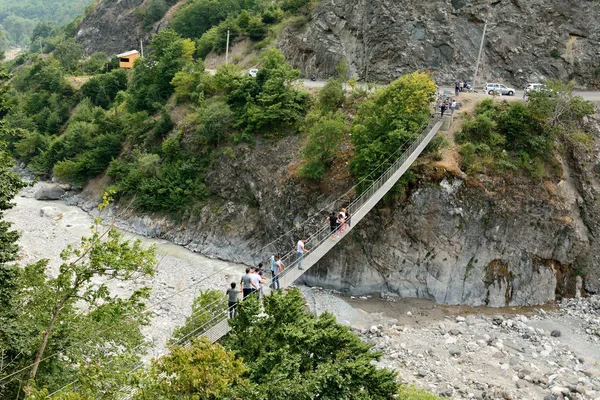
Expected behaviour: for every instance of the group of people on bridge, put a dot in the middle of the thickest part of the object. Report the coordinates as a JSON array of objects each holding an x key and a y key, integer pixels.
[{"x": 253, "y": 280}]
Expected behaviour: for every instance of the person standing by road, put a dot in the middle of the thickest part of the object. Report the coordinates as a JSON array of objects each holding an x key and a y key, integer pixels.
[
  {"x": 443, "y": 108},
  {"x": 300, "y": 250},
  {"x": 232, "y": 294}
]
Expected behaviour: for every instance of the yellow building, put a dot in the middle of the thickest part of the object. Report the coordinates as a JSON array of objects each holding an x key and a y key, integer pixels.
[{"x": 126, "y": 59}]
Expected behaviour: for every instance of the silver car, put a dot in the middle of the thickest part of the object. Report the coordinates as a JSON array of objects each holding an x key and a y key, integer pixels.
[{"x": 491, "y": 88}]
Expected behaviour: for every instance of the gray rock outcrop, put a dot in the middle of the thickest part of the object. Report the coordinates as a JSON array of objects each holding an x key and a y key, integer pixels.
[
  {"x": 51, "y": 191},
  {"x": 112, "y": 27},
  {"x": 527, "y": 41}
]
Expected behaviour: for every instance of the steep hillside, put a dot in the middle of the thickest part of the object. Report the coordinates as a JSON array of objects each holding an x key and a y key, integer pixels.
[
  {"x": 112, "y": 27},
  {"x": 18, "y": 19},
  {"x": 382, "y": 39}
]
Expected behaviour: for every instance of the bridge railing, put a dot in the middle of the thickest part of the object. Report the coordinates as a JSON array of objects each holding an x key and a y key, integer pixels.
[{"x": 323, "y": 233}]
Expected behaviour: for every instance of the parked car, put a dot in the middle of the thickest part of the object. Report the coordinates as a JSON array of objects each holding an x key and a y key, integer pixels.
[
  {"x": 253, "y": 72},
  {"x": 490, "y": 88},
  {"x": 534, "y": 86}
]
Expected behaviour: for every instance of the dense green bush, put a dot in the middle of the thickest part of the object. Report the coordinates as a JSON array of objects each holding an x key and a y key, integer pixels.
[
  {"x": 511, "y": 134},
  {"x": 325, "y": 133},
  {"x": 269, "y": 103},
  {"x": 332, "y": 96},
  {"x": 102, "y": 89},
  {"x": 213, "y": 122},
  {"x": 198, "y": 16},
  {"x": 155, "y": 11},
  {"x": 192, "y": 83},
  {"x": 151, "y": 83},
  {"x": 389, "y": 122}
]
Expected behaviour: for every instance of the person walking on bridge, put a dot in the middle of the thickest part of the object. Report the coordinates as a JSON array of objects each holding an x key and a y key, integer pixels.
[
  {"x": 232, "y": 294},
  {"x": 277, "y": 269},
  {"x": 246, "y": 284},
  {"x": 300, "y": 250},
  {"x": 256, "y": 281},
  {"x": 333, "y": 224}
]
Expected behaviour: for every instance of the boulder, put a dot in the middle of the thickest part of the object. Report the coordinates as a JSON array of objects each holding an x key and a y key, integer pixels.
[
  {"x": 49, "y": 192},
  {"x": 50, "y": 212}
]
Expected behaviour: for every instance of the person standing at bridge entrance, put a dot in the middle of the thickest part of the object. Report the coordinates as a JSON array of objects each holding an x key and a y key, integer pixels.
[{"x": 300, "y": 250}]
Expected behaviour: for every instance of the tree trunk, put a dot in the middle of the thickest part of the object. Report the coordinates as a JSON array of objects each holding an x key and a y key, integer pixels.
[{"x": 42, "y": 347}]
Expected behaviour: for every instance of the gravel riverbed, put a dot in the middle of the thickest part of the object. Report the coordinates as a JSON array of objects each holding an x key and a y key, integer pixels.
[
  {"x": 47, "y": 227},
  {"x": 458, "y": 352}
]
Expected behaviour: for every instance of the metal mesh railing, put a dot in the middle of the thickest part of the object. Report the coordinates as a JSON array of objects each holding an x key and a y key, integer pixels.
[
  {"x": 319, "y": 240},
  {"x": 322, "y": 233}
]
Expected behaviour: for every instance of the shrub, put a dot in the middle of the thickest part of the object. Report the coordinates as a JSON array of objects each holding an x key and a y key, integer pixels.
[
  {"x": 102, "y": 90},
  {"x": 213, "y": 122},
  {"x": 209, "y": 304},
  {"x": 155, "y": 11},
  {"x": 332, "y": 96},
  {"x": 468, "y": 153},
  {"x": 324, "y": 136},
  {"x": 256, "y": 28},
  {"x": 269, "y": 102},
  {"x": 388, "y": 122},
  {"x": 198, "y": 16}
]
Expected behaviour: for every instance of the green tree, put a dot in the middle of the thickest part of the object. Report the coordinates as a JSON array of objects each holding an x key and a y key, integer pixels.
[
  {"x": 10, "y": 184},
  {"x": 208, "y": 308},
  {"x": 213, "y": 122},
  {"x": 198, "y": 16},
  {"x": 202, "y": 371},
  {"x": 558, "y": 107},
  {"x": 256, "y": 28},
  {"x": 152, "y": 76},
  {"x": 68, "y": 52},
  {"x": 325, "y": 133},
  {"x": 49, "y": 318},
  {"x": 270, "y": 103},
  {"x": 332, "y": 96},
  {"x": 304, "y": 356},
  {"x": 155, "y": 11},
  {"x": 102, "y": 89},
  {"x": 395, "y": 116}
]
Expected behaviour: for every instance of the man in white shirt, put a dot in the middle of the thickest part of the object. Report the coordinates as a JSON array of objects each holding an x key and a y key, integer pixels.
[
  {"x": 300, "y": 250},
  {"x": 255, "y": 281}
]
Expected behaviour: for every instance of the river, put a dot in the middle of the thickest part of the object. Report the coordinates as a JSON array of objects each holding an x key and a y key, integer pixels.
[{"x": 47, "y": 227}]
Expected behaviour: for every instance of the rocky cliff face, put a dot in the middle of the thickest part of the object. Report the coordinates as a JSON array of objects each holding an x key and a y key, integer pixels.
[
  {"x": 478, "y": 240},
  {"x": 489, "y": 242},
  {"x": 527, "y": 40},
  {"x": 112, "y": 28}
]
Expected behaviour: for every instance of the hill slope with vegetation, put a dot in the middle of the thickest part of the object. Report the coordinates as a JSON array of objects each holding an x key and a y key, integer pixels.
[{"x": 18, "y": 19}]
